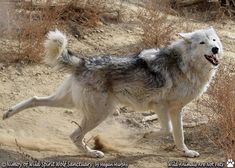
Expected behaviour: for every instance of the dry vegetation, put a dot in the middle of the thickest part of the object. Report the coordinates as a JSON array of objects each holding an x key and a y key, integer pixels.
[
  {"x": 201, "y": 10},
  {"x": 157, "y": 28},
  {"x": 204, "y": 11},
  {"x": 87, "y": 13},
  {"x": 26, "y": 28},
  {"x": 26, "y": 24},
  {"x": 221, "y": 102}
]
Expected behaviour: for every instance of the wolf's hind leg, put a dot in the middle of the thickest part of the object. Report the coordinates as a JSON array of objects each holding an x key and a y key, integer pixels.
[
  {"x": 164, "y": 121},
  {"x": 95, "y": 109},
  {"x": 62, "y": 98},
  {"x": 78, "y": 137}
]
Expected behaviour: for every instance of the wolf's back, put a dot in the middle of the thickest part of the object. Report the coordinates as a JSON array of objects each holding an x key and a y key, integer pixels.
[{"x": 57, "y": 53}]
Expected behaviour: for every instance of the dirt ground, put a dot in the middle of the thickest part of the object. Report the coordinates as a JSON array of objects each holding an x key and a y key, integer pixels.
[{"x": 42, "y": 134}]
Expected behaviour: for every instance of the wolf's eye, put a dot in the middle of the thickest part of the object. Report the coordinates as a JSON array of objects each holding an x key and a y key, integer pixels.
[
  {"x": 202, "y": 42},
  {"x": 214, "y": 39}
]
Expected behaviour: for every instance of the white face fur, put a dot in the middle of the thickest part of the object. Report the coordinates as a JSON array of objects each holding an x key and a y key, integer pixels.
[{"x": 204, "y": 45}]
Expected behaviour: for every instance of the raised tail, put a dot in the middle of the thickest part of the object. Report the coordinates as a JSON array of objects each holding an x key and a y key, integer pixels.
[{"x": 57, "y": 53}]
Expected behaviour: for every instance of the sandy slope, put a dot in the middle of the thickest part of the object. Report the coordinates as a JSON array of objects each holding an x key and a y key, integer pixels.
[{"x": 43, "y": 132}]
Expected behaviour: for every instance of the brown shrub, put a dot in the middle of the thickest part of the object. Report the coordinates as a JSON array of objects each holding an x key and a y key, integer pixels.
[
  {"x": 27, "y": 26},
  {"x": 156, "y": 25},
  {"x": 221, "y": 102},
  {"x": 229, "y": 7},
  {"x": 85, "y": 13},
  {"x": 24, "y": 25},
  {"x": 203, "y": 11}
]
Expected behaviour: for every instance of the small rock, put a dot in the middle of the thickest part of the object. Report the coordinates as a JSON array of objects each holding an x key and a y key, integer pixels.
[
  {"x": 37, "y": 73},
  {"x": 148, "y": 113},
  {"x": 116, "y": 113},
  {"x": 133, "y": 122},
  {"x": 97, "y": 31},
  {"x": 85, "y": 37},
  {"x": 123, "y": 110},
  {"x": 190, "y": 125},
  {"x": 230, "y": 37},
  {"x": 2, "y": 67},
  {"x": 18, "y": 73},
  {"x": 77, "y": 36},
  {"x": 150, "y": 118},
  {"x": 69, "y": 112}
]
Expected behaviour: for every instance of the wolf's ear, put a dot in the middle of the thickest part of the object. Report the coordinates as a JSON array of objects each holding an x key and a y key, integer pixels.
[{"x": 186, "y": 37}]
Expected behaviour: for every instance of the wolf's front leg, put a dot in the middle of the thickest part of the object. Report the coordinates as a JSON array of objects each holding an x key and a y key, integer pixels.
[{"x": 176, "y": 120}]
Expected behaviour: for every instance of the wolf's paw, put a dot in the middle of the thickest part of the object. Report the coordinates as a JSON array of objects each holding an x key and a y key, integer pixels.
[
  {"x": 7, "y": 114},
  {"x": 95, "y": 154},
  {"x": 190, "y": 153}
]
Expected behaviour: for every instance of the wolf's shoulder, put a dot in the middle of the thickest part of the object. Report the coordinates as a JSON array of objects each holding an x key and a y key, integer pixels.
[
  {"x": 149, "y": 54},
  {"x": 161, "y": 57}
]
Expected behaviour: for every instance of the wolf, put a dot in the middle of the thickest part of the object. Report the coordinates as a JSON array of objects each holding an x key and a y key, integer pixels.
[{"x": 163, "y": 80}]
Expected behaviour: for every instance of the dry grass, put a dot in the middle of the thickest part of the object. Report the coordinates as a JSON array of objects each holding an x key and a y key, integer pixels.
[
  {"x": 26, "y": 28},
  {"x": 84, "y": 13},
  {"x": 157, "y": 27},
  {"x": 229, "y": 7},
  {"x": 221, "y": 102},
  {"x": 205, "y": 11},
  {"x": 24, "y": 25}
]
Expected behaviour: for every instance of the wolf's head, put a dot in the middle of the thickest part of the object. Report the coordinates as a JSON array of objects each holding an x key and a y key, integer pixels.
[{"x": 203, "y": 46}]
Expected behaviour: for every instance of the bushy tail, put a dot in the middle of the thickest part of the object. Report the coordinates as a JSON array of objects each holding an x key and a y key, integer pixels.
[{"x": 57, "y": 53}]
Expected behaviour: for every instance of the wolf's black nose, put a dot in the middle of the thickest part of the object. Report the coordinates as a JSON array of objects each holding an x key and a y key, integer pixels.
[{"x": 215, "y": 50}]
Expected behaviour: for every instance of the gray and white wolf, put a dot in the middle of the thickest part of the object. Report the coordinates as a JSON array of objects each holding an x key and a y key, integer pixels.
[{"x": 162, "y": 80}]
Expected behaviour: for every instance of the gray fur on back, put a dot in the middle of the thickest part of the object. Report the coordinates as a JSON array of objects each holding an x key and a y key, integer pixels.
[{"x": 102, "y": 72}]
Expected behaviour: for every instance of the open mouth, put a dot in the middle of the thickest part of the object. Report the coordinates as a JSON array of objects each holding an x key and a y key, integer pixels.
[{"x": 212, "y": 59}]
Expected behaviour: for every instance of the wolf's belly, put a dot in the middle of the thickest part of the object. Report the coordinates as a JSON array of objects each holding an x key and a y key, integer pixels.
[{"x": 137, "y": 99}]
